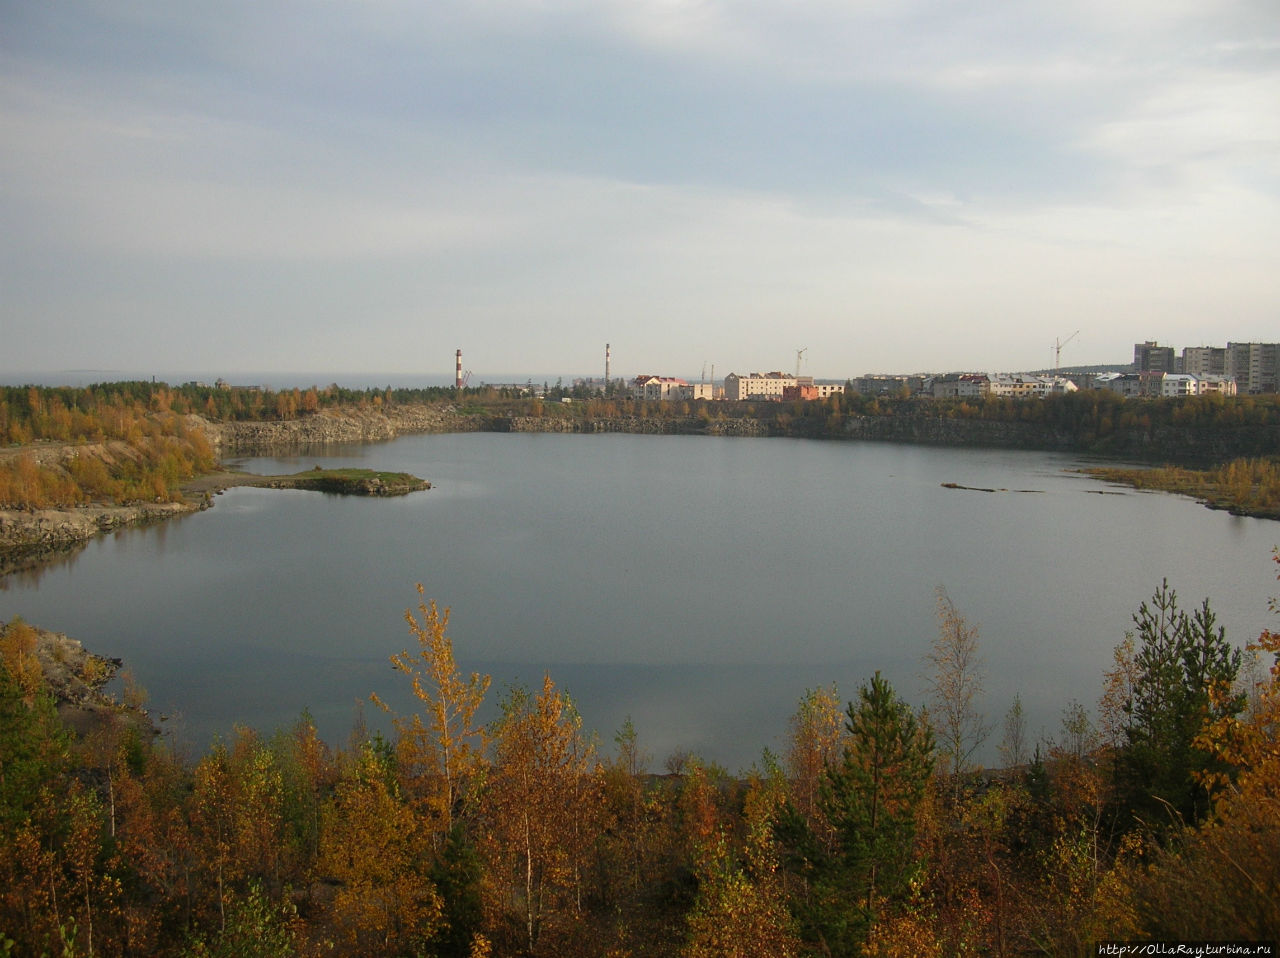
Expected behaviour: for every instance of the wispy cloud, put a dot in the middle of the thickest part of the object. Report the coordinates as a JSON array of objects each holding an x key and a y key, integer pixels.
[{"x": 726, "y": 174}]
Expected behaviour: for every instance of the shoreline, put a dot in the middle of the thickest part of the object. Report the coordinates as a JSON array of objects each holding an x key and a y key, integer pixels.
[
  {"x": 74, "y": 678},
  {"x": 29, "y": 539}
]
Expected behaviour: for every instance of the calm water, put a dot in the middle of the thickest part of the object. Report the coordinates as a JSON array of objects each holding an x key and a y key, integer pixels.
[{"x": 699, "y": 585}]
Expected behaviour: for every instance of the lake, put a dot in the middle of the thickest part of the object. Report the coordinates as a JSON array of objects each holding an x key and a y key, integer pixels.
[{"x": 698, "y": 585}]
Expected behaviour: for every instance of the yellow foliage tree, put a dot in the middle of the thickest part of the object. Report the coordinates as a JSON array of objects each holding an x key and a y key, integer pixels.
[
  {"x": 441, "y": 758},
  {"x": 375, "y": 848},
  {"x": 542, "y": 807}
]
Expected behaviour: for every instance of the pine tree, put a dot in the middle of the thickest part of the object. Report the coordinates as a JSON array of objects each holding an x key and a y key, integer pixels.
[
  {"x": 1182, "y": 665},
  {"x": 870, "y": 798}
]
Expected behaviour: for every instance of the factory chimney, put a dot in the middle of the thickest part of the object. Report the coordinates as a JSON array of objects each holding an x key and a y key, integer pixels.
[
  {"x": 606, "y": 368},
  {"x": 457, "y": 379}
]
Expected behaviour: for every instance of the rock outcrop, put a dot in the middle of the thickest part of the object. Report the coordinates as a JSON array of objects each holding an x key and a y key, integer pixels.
[
  {"x": 73, "y": 676},
  {"x": 329, "y": 427},
  {"x": 28, "y": 538}
]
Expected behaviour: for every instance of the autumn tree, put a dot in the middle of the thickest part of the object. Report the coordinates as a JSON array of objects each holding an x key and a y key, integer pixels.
[
  {"x": 634, "y": 858},
  {"x": 34, "y": 766},
  {"x": 441, "y": 757},
  {"x": 256, "y": 927},
  {"x": 375, "y": 849},
  {"x": 1014, "y": 745},
  {"x": 1222, "y": 878},
  {"x": 236, "y": 815},
  {"x": 740, "y": 909},
  {"x": 956, "y": 677},
  {"x": 540, "y": 814},
  {"x": 817, "y": 730},
  {"x": 309, "y": 771}
]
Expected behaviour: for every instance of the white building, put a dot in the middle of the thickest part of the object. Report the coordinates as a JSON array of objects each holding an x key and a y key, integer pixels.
[
  {"x": 657, "y": 387},
  {"x": 1019, "y": 386},
  {"x": 1217, "y": 384},
  {"x": 669, "y": 388},
  {"x": 757, "y": 385},
  {"x": 1179, "y": 384}
]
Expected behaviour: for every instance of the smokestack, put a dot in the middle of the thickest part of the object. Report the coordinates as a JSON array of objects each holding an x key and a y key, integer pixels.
[
  {"x": 457, "y": 379},
  {"x": 606, "y": 366}
]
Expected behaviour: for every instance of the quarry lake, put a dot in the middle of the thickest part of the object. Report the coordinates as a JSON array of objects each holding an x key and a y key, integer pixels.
[{"x": 698, "y": 585}]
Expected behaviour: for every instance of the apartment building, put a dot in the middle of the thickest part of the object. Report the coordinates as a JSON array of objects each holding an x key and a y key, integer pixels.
[
  {"x": 1030, "y": 387},
  {"x": 1253, "y": 366},
  {"x": 1202, "y": 361},
  {"x": 1151, "y": 357},
  {"x": 657, "y": 387},
  {"x": 757, "y": 385},
  {"x": 806, "y": 389}
]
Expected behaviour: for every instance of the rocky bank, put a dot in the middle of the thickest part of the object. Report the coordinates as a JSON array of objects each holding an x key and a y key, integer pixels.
[
  {"x": 328, "y": 427},
  {"x": 74, "y": 677},
  {"x": 29, "y": 538}
]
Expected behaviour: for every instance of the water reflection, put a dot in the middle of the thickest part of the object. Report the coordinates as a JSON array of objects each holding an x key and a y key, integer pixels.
[{"x": 699, "y": 585}]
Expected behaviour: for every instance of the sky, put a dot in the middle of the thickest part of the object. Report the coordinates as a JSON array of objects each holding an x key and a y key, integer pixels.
[{"x": 887, "y": 185}]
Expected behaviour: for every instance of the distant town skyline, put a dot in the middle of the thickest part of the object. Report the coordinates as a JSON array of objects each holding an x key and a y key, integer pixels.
[{"x": 894, "y": 187}]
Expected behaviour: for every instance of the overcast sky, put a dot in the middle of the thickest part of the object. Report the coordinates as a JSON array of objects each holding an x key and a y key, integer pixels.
[{"x": 893, "y": 185}]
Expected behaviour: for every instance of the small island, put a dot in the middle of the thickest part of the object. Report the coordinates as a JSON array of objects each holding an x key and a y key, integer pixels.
[{"x": 346, "y": 482}]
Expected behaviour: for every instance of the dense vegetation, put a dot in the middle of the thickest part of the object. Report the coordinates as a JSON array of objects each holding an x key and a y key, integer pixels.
[
  {"x": 874, "y": 834},
  {"x": 1244, "y": 486}
]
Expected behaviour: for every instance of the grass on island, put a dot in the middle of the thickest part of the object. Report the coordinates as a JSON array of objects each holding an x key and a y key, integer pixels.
[
  {"x": 360, "y": 482},
  {"x": 354, "y": 475},
  {"x": 1247, "y": 487}
]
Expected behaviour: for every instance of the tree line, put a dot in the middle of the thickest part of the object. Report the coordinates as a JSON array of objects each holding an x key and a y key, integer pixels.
[
  {"x": 159, "y": 447},
  {"x": 875, "y": 833}
]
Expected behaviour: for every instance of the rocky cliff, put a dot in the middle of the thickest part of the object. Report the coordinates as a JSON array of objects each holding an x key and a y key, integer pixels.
[
  {"x": 337, "y": 426},
  {"x": 921, "y": 424},
  {"x": 30, "y": 538}
]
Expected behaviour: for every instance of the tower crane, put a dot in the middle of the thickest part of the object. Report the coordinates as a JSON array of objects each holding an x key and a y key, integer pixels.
[
  {"x": 1057, "y": 350},
  {"x": 799, "y": 355}
]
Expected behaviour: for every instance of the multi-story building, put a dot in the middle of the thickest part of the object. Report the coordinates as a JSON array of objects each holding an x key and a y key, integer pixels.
[
  {"x": 961, "y": 386},
  {"x": 1133, "y": 385},
  {"x": 806, "y": 389},
  {"x": 1217, "y": 384},
  {"x": 1179, "y": 384},
  {"x": 1030, "y": 387},
  {"x": 657, "y": 387},
  {"x": 757, "y": 385},
  {"x": 890, "y": 385},
  {"x": 1200, "y": 361},
  {"x": 1152, "y": 357},
  {"x": 669, "y": 388},
  {"x": 1253, "y": 366}
]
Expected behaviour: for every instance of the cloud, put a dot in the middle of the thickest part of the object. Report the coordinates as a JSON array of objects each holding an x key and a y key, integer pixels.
[{"x": 893, "y": 182}]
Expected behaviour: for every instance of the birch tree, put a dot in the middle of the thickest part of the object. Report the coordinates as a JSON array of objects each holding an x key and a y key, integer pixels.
[
  {"x": 956, "y": 677},
  {"x": 440, "y": 756},
  {"x": 538, "y": 819}
]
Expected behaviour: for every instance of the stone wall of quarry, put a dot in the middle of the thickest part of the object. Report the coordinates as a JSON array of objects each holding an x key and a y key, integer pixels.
[
  {"x": 1170, "y": 444},
  {"x": 28, "y": 538},
  {"x": 640, "y": 425},
  {"x": 330, "y": 426}
]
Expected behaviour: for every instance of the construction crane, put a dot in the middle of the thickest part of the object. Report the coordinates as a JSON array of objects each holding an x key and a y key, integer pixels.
[
  {"x": 799, "y": 355},
  {"x": 1057, "y": 350}
]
